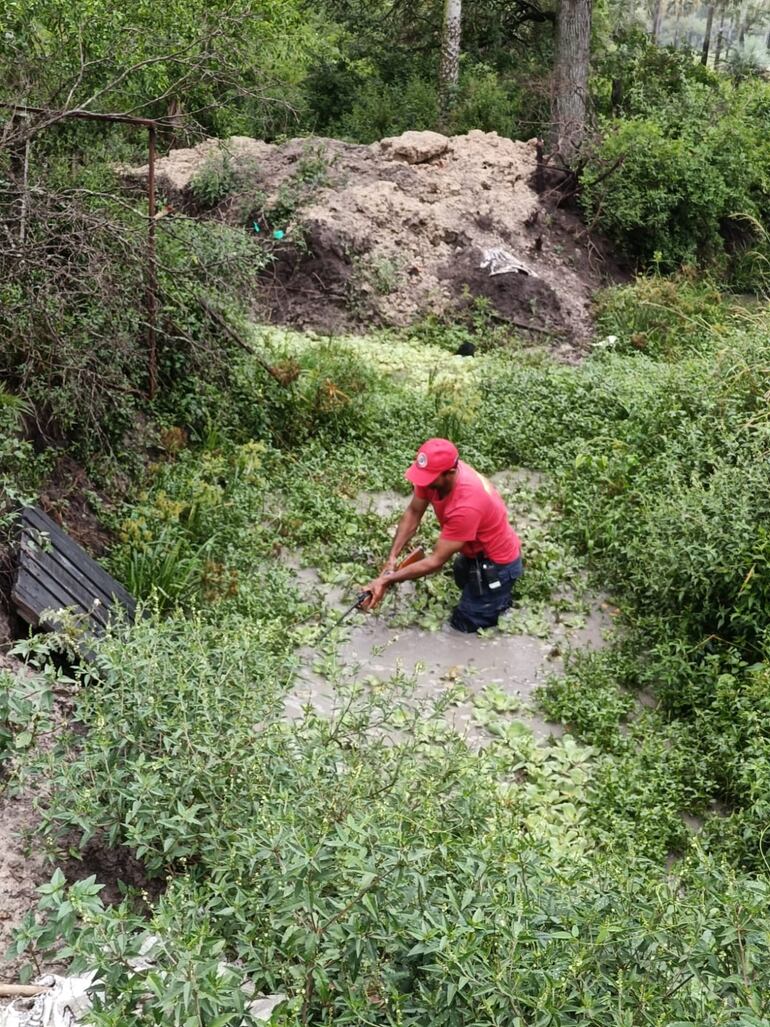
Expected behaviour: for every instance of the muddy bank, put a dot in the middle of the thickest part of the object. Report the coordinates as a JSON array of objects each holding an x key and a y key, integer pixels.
[{"x": 385, "y": 234}]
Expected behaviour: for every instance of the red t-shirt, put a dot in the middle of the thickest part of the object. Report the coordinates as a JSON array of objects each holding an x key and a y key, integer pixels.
[{"x": 474, "y": 513}]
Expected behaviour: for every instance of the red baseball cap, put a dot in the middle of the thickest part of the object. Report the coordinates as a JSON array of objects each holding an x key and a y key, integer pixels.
[{"x": 433, "y": 458}]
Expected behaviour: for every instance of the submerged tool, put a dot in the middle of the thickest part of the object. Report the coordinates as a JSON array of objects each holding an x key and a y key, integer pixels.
[{"x": 413, "y": 557}]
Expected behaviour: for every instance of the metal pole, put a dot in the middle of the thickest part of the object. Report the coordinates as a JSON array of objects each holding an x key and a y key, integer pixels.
[
  {"x": 19, "y": 167},
  {"x": 24, "y": 195},
  {"x": 152, "y": 271}
]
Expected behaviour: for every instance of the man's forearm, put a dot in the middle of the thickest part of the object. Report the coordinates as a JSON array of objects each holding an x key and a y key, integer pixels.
[
  {"x": 407, "y": 529},
  {"x": 429, "y": 565}
]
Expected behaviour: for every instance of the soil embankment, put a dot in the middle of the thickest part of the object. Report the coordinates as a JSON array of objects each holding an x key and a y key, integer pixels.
[{"x": 389, "y": 233}]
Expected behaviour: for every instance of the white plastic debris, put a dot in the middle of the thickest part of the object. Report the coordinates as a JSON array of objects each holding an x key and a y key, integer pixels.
[
  {"x": 501, "y": 262},
  {"x": 608, "y": 342},
  {"x": 68, "y": 999},
  {"x": 262, "y": 1008},
  {"x": 62, "y": 1005}
]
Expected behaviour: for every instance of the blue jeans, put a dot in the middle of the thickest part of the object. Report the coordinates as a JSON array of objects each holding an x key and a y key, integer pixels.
[{"x": 486, "y": 589}]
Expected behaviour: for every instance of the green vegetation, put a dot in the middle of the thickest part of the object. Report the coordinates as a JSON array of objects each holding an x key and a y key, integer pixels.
[
  {"x": 690, "y": 183},
  {"x": 367, "y": 863}
]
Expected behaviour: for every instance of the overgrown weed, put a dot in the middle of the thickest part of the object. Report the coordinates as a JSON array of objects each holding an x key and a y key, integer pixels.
[{"x": 377, "y": 873}]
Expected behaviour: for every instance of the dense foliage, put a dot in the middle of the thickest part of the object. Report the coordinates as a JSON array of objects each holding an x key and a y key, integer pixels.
[
  {"x": 367, "y": 863},
  {"x": 690, "y": 153}
]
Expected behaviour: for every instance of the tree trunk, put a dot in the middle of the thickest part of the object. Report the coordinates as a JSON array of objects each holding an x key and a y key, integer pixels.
[
  {"x": 720, "y": 38},
  {"x": 704, "y": 57},
  {"x": 569, "y": 108},
  {"x": 655, "y": 27},
  {"x": 449, "y": 72},
  {"x": 657, "y": 20},
  {"x": 616, "y": 97},
  {"x": 743, "y": 17},
  {"x": 733, "y": 31}
]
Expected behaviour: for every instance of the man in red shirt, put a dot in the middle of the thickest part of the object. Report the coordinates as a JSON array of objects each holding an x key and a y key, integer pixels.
[{"x": 474, "y": 530}]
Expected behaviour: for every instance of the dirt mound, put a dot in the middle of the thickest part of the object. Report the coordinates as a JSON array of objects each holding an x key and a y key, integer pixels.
[{"x": 388, "y": 233}]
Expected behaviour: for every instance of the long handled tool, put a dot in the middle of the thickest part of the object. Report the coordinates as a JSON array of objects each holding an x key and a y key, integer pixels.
[{"x": 413, "y": 557}]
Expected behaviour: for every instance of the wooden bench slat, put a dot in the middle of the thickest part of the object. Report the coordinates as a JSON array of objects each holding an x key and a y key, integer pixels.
[
  {"x": 61, "y": 574},
  {"x": 57, "y": 580},
  {"x": 69, "y": 574},
  {"x": 46, "y": 594},
  {"x": 71, "y": 551}
]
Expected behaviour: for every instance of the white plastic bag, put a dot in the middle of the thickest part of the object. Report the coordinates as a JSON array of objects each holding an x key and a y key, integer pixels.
[
  {"x": 501, "y": 262},
  {"x": 62, "y": 1005}
]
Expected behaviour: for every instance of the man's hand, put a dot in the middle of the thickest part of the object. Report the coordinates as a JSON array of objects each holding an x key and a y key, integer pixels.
[
  {"x": 389, "y": 566},
  {"x": 376, "y": 589}
]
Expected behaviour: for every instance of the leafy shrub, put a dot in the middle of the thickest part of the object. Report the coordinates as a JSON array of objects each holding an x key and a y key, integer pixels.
[
  {"x": 386, "y": 109},
  {"x": 485, "y": 101},
  {"x": 660, "y": 469},
  {"x": 358, "y": 873},
  {"x": 332, "y": 395},
  {"x": 332, "y": 87},
  {"x": 688, "y": 176},
  {"x": 663, "y": 317},
  {"x": 80, "y": 284},
  {"x": 168, "y": 569},
  {"x": 589, "y": 700},
  {"x": 214, "y": 180},
  {"x": 20, "y": 466},
  {"x": 649, "y": 77},
  {"x": 25, "y": 708},
  {"x": 645, "y": 786}
]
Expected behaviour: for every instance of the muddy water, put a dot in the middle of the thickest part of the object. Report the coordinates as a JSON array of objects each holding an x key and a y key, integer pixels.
[{"x": 515, "y": 664}]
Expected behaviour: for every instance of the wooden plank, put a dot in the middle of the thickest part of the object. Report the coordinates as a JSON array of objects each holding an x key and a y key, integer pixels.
[
  {"x": 45, "y": 568},
  {"x": 35, "y": 593},
  {"x": 30, "y": 597},
  {"x": 77, "y": 585},
  {"x": 23, "y": 990},
  {"x": 55, "y": 573},
  {"x": 73, "y": 554}
]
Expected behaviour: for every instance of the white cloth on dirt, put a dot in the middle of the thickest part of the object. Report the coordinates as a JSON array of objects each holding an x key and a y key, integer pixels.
[
  {"x": 501, "y": 262},
  {"x": 63, "y": 1005}
]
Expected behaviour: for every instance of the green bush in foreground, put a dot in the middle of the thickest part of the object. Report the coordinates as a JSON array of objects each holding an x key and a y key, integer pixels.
[{"x": 367, "y": 864}]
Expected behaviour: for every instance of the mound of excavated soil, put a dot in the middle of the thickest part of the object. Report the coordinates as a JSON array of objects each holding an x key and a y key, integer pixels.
[{"x": 388, "y": 233}]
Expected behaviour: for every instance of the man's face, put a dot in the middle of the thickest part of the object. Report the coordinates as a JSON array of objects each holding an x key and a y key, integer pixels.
[{"x": 443, "y": 483}]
